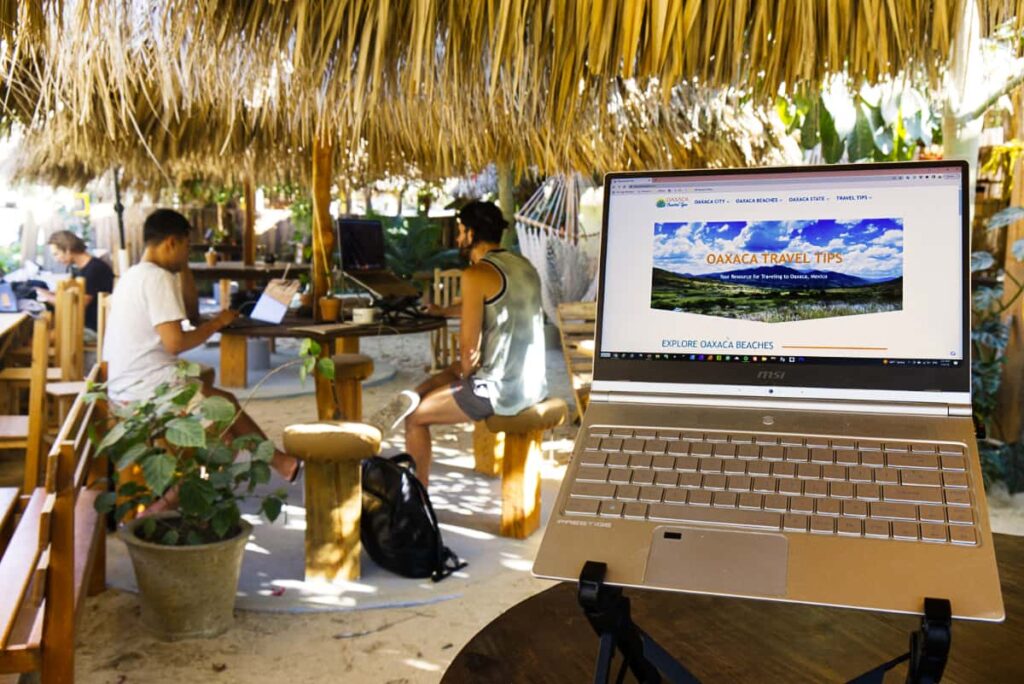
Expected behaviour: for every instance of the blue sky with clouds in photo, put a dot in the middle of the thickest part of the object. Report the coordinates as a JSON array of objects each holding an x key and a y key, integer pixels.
[{"x": 871, "y": 248}]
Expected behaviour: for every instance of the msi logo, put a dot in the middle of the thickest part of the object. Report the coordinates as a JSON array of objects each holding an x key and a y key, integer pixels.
[{"x": 771, "y": 375}]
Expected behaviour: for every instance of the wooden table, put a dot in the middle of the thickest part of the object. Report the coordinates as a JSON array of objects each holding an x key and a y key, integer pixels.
[
  {"x": 546, "y": 638},
  {"x": 226, "y": 271},
  {"x": 334, "y": 338}
]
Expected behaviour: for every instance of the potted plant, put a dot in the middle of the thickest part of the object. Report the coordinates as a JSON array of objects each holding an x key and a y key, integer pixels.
[{"x": 187, "y": 562}]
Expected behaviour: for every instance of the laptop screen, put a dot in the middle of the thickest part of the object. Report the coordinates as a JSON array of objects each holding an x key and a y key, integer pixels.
[
  {"x": 843, "y": 276},
  {"x": 362, "y": 244}
]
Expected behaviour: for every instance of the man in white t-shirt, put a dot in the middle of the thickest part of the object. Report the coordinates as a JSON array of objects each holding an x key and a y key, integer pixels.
[{"x": 144, "y": 334}]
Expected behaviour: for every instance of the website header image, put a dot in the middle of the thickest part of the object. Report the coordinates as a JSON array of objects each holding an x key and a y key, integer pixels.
[{"x": 778, "y": 271}]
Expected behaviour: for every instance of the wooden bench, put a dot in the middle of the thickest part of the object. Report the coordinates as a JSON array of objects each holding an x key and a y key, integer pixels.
[{"x": 55, "y": 555}]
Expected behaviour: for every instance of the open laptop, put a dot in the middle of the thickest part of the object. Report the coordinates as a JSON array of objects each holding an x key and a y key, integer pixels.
[
  {"x": 363, "y": 261},
  {"x": 781, "y": 400},
  {"x": 271, "y": 307}
]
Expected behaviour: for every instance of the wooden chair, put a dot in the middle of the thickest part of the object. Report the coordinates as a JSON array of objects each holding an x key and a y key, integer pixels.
[
  {"x": 26, "y": 432},
  {"x": 444, "y": 342},
  {"x": 576, "y": 326},
  {"x": 64, "y": 392},
  {"x": 55, "y": 556}
]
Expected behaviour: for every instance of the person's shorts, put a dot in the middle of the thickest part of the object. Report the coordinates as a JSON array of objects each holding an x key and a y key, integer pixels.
[{"x": 473, "y": 397}]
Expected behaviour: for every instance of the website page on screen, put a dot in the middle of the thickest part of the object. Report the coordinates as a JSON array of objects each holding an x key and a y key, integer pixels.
[{"x": 861, "y": 267}]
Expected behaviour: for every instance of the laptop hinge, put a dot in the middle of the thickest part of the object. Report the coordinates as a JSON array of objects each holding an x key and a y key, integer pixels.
[{"x": 895, "y": 407}]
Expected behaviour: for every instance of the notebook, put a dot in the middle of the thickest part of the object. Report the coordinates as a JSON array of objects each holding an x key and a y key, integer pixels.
[
  {"x": 271, "y": 307},
  {"x": 781, "y": 405}
]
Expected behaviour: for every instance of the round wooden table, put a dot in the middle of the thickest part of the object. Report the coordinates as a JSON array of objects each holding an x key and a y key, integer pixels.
[
  {"x": 334, "y": 338},
  {"x": 546, "y": 638}
]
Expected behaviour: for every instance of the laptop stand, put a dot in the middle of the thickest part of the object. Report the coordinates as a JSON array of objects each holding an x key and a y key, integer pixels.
[{"x": 608, "y": 612}]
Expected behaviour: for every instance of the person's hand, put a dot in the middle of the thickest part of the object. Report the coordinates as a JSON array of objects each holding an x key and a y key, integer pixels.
[{"x": 224, "y": 318}]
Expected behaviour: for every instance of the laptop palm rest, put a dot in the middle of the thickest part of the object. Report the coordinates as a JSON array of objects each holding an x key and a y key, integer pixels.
[{"x": 718, "y": 561}]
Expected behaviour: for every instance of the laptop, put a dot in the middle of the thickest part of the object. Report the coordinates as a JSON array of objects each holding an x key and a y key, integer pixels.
[
  {"x": 271, "y": 307},
  {"x": 363, "y": 261},
  {"x": 8, "y": 299},
  {"x": 781, "y": 402}
]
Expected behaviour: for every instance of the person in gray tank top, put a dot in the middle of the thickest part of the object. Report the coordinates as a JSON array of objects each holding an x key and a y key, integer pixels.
[{"x": 502, "y": 359}]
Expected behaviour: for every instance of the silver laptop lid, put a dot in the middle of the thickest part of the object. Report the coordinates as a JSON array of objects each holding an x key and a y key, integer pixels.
[{"x": 842, "y": 282}]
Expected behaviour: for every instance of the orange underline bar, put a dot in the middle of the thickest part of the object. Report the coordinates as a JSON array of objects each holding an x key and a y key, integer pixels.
[{"x": 791, "y": 346}]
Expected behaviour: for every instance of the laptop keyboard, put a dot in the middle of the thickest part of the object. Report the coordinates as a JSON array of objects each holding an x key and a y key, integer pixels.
[{"x": 901, "y": 490}]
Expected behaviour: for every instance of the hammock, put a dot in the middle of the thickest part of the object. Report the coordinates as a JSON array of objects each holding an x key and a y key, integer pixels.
[{"x": 551, "y": 238}]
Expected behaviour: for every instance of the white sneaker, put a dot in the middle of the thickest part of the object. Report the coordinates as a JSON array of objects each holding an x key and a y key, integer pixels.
[{"x": 391, "y": 415}]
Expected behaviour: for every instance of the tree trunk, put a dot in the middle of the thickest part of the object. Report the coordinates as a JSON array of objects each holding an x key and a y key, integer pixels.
[
  {"x": 965, "y": 90},
  {"x": 249, "y": 230}
]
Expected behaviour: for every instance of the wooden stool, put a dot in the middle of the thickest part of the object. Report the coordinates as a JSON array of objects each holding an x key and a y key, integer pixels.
[
  {"x": 349, "y": 372},
  {"x": 332, "y": 451},
  {"x": 520, "y": 436}
]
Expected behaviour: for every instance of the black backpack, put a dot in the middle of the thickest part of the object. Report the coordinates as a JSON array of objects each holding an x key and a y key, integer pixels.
[{"x": 398, "y": 527}]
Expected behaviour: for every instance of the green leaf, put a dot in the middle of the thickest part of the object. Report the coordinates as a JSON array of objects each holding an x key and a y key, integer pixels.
[
  {"x": 981, "y": 261},
  {"x": 809, "y": 130},
  {"x": 112, "y": 437},
  {"x": 309, "y": 347},
  {"x": 158, "y": 469},
  {"x": 105, "y": 502},
  {"x": 148, "y": 527},
  {"x": 170, "y": 538},
  {"x": 984, "y": 297},
  {"x": 197, "y": 497},
  {"x": 265, "y": 451},
  {"x": 325, "y": 367},
  {"x": 861, "y": 143},
  {"x": 224, "y": 520},
  {"x": 189, "y": 369},
  {"x": 193, "y": 538},
  {"x": 832, "y": 146},
  {"x": 217, "y": 409},
  {"x": 220, "y": 455},
  {"x": 133, "y": 454},
  {"x": 306, "y": 368},
  {"x": 260, "y": 472},
  {"x": 186, "y": 432},
  {"x": 222, "y": 480},
  {"x": 271, "y": 507}
]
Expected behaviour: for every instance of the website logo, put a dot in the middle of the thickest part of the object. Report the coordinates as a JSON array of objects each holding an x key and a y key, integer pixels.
[{"x": 675, "y": 201}]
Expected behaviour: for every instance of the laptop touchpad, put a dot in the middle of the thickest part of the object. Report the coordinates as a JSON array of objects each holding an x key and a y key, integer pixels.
[{"x": 718, "y": 561}]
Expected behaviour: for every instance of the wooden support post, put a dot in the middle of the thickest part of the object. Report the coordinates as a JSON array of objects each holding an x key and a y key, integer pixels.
[
  {"x": 346, "y": 345},
  {"x": 334, "y": 503},
  {"x": 249, "y": 229},
  {"x": 520, "y": 484},
  {"x": 488, "y": 449},
  {"x": 234, "y": 361},
  {"x": 326, "y": 405},
  {"x": 225, "y": 293},
  {"x": 323, "y": 227},
  {"x": 506, "y": 198},
  {"x": 1011, "y": 391},
  {"x": 350, "y": 395}
]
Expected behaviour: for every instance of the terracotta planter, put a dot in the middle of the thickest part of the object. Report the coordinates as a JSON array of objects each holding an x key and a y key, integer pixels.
[
  {"x": 186, "y": 591},
  {"x": 330, "y": 308},
  {"x": 211, "y": 258}
]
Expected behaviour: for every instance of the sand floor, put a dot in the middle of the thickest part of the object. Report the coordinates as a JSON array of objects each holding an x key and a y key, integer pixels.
[{"x": 386, "y": 645}]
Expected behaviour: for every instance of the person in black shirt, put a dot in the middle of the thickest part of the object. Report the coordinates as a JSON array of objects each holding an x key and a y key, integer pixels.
[{"x": 69, "y": 250}]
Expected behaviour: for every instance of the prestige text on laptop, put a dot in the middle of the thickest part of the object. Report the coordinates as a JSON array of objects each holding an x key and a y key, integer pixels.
[{"x": 781, "y": 401}]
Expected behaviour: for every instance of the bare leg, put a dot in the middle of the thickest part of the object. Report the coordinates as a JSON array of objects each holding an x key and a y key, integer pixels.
[
  {"x": 437, "y": 381},
  {"x": 437, "y": 408},
  {"x": 284, "y": 464}
]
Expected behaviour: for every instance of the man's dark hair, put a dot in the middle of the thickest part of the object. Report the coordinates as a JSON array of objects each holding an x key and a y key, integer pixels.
[
  {"x": 485, "y": 220},
  {"x": 66, "y": 241},
  {"x": 162, "y": 224}
]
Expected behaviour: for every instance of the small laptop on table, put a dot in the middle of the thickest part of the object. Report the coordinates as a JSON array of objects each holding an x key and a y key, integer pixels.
[
  {"x": 363, "y": 261},
  {"x": 781, "y": 401},
  {"x": 271, "y": 307}
]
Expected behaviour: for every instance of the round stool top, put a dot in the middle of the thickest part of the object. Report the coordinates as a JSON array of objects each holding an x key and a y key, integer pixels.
[
  {"x": 352, "y": 366},
  {"x": 545, "y": 415},
  {"x": 331, "y": 440}
]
